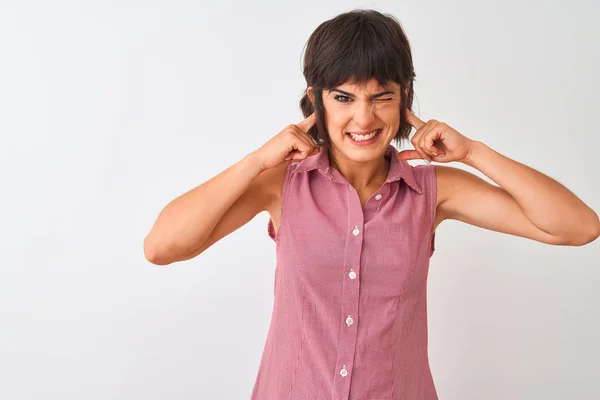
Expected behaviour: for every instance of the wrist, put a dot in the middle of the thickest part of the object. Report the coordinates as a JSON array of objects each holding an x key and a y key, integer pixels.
[
  {"x": 253, "y": 163},
  {"x": 474, "y": 151}
]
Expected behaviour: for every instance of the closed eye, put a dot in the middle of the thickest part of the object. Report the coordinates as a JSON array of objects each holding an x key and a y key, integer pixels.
[{"x": 339, "y": 97}]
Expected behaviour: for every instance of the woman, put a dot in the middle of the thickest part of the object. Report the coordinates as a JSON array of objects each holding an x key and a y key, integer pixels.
[{"x": 354, "y": 222}]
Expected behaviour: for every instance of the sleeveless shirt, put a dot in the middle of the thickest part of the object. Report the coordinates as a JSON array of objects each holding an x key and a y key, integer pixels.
[{"x": 349, "y": 319}]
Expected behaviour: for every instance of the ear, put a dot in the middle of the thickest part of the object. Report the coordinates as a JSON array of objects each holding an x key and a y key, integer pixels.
[{"x": 311, "y": 95}]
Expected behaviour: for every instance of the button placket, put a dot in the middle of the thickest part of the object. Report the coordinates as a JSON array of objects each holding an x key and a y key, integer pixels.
[{"x": 350, "y": 298}]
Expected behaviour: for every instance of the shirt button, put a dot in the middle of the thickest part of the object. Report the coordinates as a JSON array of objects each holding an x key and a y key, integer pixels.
[
  {"x": 349, "y": 320},
  {"x": 378, "y": 197},
  {"x": 352, "y": 274},
  {"x": 343, "y": 372},
  {"x": 355, "y": 231}
]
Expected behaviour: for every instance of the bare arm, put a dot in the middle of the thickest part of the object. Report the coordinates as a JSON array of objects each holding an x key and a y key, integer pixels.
[
  {"x": 195, "y": 220},
  {"x": 186, "y": 223},
  {"x": 527, "y": 203}
]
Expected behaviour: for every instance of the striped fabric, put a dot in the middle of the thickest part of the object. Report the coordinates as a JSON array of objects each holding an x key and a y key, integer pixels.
[{"x": 349, "y": 316}]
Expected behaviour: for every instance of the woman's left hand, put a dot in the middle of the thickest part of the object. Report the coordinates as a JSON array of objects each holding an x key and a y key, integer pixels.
[{"x": 436, "y": 141}]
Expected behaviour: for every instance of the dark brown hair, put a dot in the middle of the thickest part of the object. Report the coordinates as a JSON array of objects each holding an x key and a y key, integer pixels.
[{"x": 356, "y": 47}]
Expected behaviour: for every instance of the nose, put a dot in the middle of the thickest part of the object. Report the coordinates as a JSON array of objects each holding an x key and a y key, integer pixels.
[{"x": 364, "y": 115}]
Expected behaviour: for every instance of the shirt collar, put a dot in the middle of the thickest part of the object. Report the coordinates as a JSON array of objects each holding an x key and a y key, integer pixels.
[{"x": 399, "y": 169}]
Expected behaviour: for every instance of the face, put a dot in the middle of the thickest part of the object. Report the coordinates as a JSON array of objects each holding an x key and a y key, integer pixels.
[{"x": 360, "y": 109}]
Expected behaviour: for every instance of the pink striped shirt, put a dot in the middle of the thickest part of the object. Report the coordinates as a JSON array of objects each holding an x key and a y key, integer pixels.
[{"x": 349, "y": 317}]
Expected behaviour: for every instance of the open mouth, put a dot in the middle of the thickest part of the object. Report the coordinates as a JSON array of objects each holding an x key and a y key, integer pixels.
[{"x": 364, "y": 139}]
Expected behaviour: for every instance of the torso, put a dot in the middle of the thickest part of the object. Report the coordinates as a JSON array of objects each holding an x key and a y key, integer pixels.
[{"x": 329, "y": 237}]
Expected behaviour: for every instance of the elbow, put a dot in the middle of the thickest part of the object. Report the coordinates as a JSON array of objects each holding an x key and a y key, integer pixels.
[
  {"x": 153, "y": 253},
  {"x": 595, "y": 232},
  {"x": 589, "y": 235},
  {"x": 161, "y": 252}
]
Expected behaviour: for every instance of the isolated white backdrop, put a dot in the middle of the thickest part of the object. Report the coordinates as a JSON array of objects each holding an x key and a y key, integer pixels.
[{"x": 109, "y": 110}]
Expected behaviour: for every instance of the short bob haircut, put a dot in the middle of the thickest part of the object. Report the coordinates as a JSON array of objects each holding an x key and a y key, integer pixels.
[{"x": 356, "y": 47}]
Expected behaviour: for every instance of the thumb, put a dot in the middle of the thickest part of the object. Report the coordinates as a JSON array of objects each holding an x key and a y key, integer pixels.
[{"x": 409, "y": 155}]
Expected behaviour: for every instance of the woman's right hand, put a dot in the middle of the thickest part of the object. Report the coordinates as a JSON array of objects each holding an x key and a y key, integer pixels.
[{"x": 292, "y": 143}]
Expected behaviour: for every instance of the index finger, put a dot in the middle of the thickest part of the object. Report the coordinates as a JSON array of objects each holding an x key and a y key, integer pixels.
[
  {"x": 308, "y": 122},
  {"x": 413, "y": 119}
]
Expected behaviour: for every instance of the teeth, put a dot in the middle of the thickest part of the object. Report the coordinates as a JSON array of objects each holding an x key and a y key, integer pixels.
[{"x": 360, "y": 138}]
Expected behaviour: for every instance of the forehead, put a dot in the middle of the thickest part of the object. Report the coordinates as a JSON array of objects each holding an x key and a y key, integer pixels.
[{"x": 369, "y": 87}]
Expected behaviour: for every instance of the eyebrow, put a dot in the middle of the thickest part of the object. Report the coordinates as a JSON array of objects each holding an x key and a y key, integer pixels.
[{"x": 335, "y": 89}]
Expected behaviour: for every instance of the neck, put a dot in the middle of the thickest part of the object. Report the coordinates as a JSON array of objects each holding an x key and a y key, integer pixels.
[{"x": 362, "y": 174}]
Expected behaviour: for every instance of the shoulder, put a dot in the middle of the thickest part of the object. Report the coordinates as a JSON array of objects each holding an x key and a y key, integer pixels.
[{"x": 425, "y": 176}]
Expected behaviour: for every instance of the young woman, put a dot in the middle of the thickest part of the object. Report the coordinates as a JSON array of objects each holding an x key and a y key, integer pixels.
[{"x": 354, "y": 223}]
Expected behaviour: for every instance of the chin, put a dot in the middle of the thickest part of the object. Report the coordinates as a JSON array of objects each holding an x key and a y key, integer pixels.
[{"x": 369, "y": 153}]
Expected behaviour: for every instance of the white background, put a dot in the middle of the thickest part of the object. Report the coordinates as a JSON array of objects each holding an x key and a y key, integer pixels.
[{"x": 109, "y": 110}]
